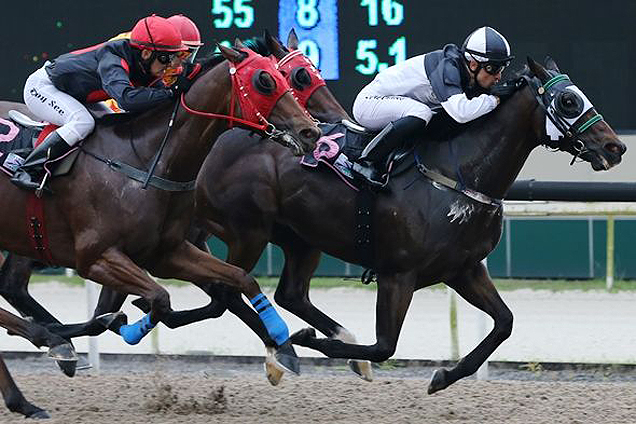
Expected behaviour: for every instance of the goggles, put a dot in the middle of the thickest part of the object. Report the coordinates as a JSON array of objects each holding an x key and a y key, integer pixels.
[
  {"x": 494, "y": 68},
  {"x": 165, "y": 58}
]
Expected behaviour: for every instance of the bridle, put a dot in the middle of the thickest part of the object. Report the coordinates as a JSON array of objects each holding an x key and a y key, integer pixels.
[
  {"x": 254, "y": 113},
  {"x": 290, "y": 65},
  {"x": 547, "y": 95}
]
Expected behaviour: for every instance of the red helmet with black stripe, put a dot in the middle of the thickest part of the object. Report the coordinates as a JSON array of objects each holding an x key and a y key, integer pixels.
[{"x": 157, "y": 34}]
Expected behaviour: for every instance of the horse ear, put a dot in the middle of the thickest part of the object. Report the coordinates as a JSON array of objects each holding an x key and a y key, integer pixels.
[
  {"x": 292, "y": 40},
  {"x": 537, "y": 69},
  {"x": 238, "y": 44},
  {"x": 273, "y": 45},
  {"x": 230, "y": 54},
  {"x": 551, "y": 64}
]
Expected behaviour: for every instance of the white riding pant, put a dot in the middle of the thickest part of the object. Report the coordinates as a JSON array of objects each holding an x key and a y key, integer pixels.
[
  {"x": 52, "y": 105},
  {"x": 375, "y": 112}
]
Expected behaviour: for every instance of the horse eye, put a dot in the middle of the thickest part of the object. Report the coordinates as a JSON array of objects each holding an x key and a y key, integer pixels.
[
  {"x": 300, "y": 78},
  {"x": 569, "y": 104},
  {"x": 263, "y": 82}
]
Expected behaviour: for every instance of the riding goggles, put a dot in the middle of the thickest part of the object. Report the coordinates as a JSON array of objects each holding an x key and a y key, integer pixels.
[
  {"x": 165, "y": 58},
  {"x": 494, "y": 68}
]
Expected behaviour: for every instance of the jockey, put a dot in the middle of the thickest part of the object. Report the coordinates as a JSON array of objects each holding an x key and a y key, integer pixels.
[
  {"x": 121, "y": 69},
  {"x": 403, "y": 98},
  {"x": 191, "y": 38}
]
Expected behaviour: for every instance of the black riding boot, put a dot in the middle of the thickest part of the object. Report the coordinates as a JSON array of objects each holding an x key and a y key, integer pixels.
[
  {"x": 372, "y": 164},
  {"x": 30, "y": 175}
]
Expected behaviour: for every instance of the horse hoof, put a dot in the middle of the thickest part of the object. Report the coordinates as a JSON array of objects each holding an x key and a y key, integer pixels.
[
  {"x": 83, "y": 364},
  {"x": 438, "y": 381},
  {"x": 63, "y": 352},
  {"x": 112, "y": 321},
  {"x": 67, "y": 367},
  {"x": 65, "y": 357},
  {"x": 40, "y": 414},
  {"x": 287, "y": 359},
  {"x": 142, "y": 304},
  {"x": 273, "y": 373},
  {"x": 301, "y": 337},
  {"x": 362, "y": 368}
]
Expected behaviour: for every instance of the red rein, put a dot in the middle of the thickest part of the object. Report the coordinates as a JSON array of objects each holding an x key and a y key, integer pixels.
[{"x": 254, "y": 105}]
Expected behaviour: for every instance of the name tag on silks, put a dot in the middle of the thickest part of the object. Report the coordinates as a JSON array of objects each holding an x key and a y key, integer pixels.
[{"x": 12, "y": 162}]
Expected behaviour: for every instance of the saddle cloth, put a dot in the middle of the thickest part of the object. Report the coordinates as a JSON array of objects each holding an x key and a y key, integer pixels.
[
  {"x": 17, "y": 142},
  {"x": 339, "y": 146}
]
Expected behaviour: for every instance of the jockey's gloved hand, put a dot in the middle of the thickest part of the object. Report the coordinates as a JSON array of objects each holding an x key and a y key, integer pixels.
[
  {"x": 503, "y": 91},
  {"x": 181, "y": 85}
]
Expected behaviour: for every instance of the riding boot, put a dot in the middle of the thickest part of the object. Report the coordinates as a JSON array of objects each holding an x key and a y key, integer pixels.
[
  {"x": 372, "y": 164},
  {"x": 31, "y": 175}
]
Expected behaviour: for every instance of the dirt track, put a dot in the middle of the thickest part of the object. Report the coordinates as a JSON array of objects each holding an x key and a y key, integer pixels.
[{"x": 178, "y": 392}]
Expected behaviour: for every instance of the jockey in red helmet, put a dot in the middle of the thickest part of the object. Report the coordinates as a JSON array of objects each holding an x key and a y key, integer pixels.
[
  {"x": 122, "y": 69},
  {"x": 191, "y": 38}
]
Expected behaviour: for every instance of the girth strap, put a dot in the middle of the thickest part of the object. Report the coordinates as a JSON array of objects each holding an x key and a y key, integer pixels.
[{"x": 142, "y": 176}]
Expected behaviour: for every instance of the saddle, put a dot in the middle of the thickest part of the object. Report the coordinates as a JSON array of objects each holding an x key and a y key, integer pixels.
[
  {"x": 19, "y": 135},
  {"x": 342, "y": 143}
]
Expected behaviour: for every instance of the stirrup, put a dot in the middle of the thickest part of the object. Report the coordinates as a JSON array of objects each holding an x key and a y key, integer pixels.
[{"x": 41, "y": 188}]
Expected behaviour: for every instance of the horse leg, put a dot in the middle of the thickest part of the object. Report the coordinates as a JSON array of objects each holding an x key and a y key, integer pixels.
[
  {"x": 292, "y": 293},
  {"x": 116, "y": 270},
  {"x": 13, "y": 397},
  {"x": 477, "y": 288},
  {"x": 186, "y": 262},
  {"x": 59, "y": 349},
  {"x": 393, "y": 299},
  {"x": 14, "y": 279}
]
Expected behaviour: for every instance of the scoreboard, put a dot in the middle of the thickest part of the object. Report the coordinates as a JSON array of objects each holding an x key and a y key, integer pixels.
[
  {"x": 348, "y": 40},
  {"x": 351, "y": 40},
  {"x": 335, "y": 35}
]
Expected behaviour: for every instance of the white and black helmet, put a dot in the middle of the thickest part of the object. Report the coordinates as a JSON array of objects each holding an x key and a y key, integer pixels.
[{"x": 487, "y": 45}]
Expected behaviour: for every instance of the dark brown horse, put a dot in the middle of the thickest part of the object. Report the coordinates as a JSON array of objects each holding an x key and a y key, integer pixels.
[
  {"x": 311, "y": 91},
  {"x": 104, "y": 225},
  {"x": 423, "y": 231}
]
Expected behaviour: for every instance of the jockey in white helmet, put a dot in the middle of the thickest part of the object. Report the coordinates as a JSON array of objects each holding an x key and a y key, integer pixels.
[{"x": 403, "y": 98}]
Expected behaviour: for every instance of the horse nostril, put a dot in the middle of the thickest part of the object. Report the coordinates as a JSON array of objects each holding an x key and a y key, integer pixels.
[{"x": 615, "y": 148}]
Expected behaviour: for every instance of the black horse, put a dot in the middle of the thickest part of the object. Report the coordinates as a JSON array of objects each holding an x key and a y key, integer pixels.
[
  {"x": 426, "y": 228},
  {"x": 424, "y": 232}
]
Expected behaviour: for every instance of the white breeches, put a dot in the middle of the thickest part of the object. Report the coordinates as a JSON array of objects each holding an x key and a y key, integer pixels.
[
  {"x": 375, "y": 112},
  {"x": 52, "y": 105}
]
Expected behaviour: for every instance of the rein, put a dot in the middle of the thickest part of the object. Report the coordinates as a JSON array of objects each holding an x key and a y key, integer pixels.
[{"x": 238, "y": 90}]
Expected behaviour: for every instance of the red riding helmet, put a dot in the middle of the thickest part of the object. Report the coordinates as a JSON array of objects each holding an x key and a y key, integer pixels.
[
  {"x": 158, "y": 34},
  {"x": 189, "y": 32}
]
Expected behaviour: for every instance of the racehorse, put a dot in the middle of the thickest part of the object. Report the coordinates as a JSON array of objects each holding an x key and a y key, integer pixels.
[
  {"x": 310, "y": 90},
  {"x": 113, "y": 242},
  {"x": 427, "y": 228}
]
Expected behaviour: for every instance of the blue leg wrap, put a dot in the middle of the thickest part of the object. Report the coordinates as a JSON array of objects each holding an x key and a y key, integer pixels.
[
  {"x": 133, "y": 333},
  {"x": 274, "y": 324}
]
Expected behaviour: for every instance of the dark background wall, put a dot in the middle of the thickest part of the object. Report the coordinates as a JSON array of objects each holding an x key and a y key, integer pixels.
[{"x": 594, "y": 42}]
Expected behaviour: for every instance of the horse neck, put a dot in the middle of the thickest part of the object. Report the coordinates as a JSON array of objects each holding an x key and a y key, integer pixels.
[
  {"x": 490, "y": 156},
  {"x": 193, "y": 135},
  {"x": 323, "y": 106}
]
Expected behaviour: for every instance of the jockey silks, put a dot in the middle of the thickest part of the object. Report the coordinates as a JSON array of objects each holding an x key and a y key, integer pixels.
[{"x": 109, "y": 70}]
